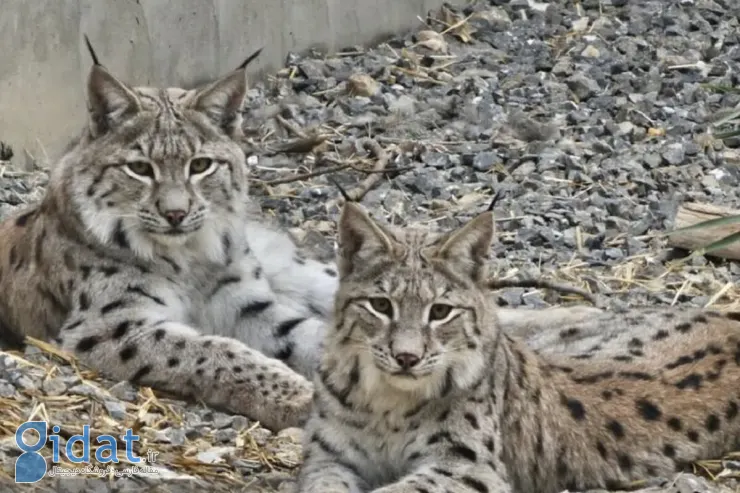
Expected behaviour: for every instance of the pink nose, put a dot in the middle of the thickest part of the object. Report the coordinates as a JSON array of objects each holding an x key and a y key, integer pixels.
[
  {"x": 175, "y": 217},
  {"x": 406, "y": 360}
]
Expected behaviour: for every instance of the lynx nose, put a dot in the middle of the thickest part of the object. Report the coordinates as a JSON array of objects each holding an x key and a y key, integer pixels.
[
  {"x": 175, "y": 217},
  {"x": 406, "y": 360}
]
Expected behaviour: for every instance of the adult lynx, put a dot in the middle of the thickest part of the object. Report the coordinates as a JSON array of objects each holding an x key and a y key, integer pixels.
[{"x": 142, "y": 249}]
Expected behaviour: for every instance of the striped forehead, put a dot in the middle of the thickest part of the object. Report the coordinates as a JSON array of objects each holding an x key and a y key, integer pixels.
[
  {"x": 169, "y": 101},
  {"x": 412, "y": 273},
  {"x": 170, "y": 134}
]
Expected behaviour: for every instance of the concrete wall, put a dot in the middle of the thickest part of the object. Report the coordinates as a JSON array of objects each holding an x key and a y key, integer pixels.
[{"x": 43, "y": 60}]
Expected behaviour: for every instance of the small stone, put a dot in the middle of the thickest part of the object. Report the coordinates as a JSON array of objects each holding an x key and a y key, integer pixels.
[
  {"x": 116, "y": 409},
  {"x": 21, "y": 381},
  {"x": 691, "y": 148},
  {"x": 312, "y": 69},
  {"x": 563, "y": 67},
  {"x": 53, "y": 386},
  {"x": 484, "y": 161},
  {"x": 404, "y": 106},
  {"x": 221, "y": 420},
  {"x": 497, "y": 17},
  {"x": 6, "y": 389},
  {"x": 175, "y": 436},
  {"x": 438, "y": 160},
  {"x": 590, "y": 51},
  {"x": 7, "y": 363},
  {"x": 214, "y": 455},
  {"x": 260, "y": 436},
  {"x": 87, "y": 390},
  {"x": 652, "y": 160},
  {"x": 674, "y": 154},
  {"x": 525, "y": 169},
  {"x": 439, "y": 205},
  {"x": 124, "y": 391},
  {"x": 614, "y": 253},
  {"x": 529, "y": 130},
  {"x": 582, "y": 86},
  {"x": 225, "y": 435},
  {"x": 195, "y": 432},
  {"x": 580, "y": 24},
  {"x": 603, "y": 147},
  {"x": 709, "y": 182},
  {"x": 511, "y": 297},
  {"x": 625, "y": 128},
  {"x": 519, "y": 4},
  {"x": 239, "y": 423}
]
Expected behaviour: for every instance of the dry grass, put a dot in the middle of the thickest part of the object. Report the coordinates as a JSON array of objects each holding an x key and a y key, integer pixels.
[{"x": 147, "y": 415}]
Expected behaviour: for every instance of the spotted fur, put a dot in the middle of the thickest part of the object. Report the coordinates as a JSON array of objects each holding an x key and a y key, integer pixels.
[
  {"x": 143, "y": 258},
  {"x": 420, "y": 390}
]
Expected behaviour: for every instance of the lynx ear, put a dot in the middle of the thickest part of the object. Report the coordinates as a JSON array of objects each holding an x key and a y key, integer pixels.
[
  {"x": 360, "y": 239},
  {"x": 466, "y": 249},
  {"x": 110, "y": 101},
  {"x": 221, "y": 101}
]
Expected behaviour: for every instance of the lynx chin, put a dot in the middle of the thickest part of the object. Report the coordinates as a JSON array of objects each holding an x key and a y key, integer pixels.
[
  {"x": 143, "y": 260},
  {"x": 420, "y": 390}
]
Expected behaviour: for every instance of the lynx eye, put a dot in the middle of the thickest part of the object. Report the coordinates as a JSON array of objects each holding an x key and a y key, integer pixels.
[
  {"x": 200, "y": 165},
  {"x": 439, "y": 311},
  {"x": 382, "y": 305},
  {"x": 141, "y": 168}
]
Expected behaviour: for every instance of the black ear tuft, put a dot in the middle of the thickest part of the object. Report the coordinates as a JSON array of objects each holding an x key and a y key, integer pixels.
[
  {"x": 499, "y": 193},
  {"x": 342, "y": 191},
  {"x": 250, "y": 58},
  {"x": 92, "y": 51}
]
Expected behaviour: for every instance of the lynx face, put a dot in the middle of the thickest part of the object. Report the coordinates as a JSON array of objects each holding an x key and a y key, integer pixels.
[
  {"x": 159, "y": 164},
  {"x": 410, "y": 303},
  {"x": 414, "y": 329}
]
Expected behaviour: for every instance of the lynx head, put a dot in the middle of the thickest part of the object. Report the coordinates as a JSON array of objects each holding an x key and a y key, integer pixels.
[
  {"x": 411, "y": 306},
  {"x": 159, "y": 168}
]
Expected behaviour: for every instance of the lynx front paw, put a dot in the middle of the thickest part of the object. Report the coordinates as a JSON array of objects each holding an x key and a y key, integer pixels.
[
  {"x": 281, "y": 405},
  {"x": 294, "y": 411}
]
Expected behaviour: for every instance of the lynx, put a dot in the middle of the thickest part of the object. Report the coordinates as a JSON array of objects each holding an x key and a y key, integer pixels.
[
  {"x": 420, "y": 390},
  {"x": 143, "y": 260}
]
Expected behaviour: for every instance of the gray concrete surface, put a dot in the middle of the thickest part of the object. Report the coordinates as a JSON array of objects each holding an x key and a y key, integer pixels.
[{"x": 43, "y": 61}]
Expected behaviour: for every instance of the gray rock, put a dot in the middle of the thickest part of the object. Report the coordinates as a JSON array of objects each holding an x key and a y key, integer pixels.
[
  {"x": 582, "y": 86},
  {"x": 674, "y": 154},
  {"x": 54, "y": 386},
  {"x": 652, "y": 160},
  {"x": 404, "y": 106},
  {"x": 215, "y": 455},
  {"x": 124, "y": 391},
  {"x": 21, "y": 381},
  {"x": 6, "y": 389},
  {"x": 225, "y": 435},
  {"x": 116, "y": 409},
  {"x": 87, "y": 390},
  {"x": 484, "y": 161}
]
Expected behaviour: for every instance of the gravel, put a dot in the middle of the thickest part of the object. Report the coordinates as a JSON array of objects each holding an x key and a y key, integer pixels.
[{"x": 593, "y": 119}]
